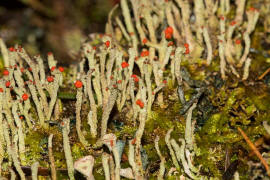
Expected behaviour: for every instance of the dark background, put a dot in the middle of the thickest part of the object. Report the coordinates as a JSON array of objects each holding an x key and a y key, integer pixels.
[{"x": 56, "y": 26}]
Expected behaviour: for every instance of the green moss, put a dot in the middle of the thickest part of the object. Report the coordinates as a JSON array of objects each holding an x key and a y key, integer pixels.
[
  {"x": 151, "y": 152},
  {"x": 211, "y": 126},
  {"x": 235, "y": 104},
  {"x": 126, "y": 130},
  {"x": 35, "y": 146},
  {"x": 60, "y": 160},
  {"x": 235, "y": 94},
  {"x": 164, "y": 121},
  {"x": 78, "y": 151},
  {"x": 261, "y": 102}
]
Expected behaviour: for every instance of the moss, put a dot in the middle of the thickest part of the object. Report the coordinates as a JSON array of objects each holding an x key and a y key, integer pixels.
[
  {"x": 60, "y": 160},
  {"x": 151, "y": 152},
  {"x": 211, "y": 126},
  {"x": 126, "y": 130},
  {"x": 235, "y": 104},
  {"x": 262, "y": 102},
  {"x": 163, "y": 121},
  {"x": 35, "y": 148},
  {"x": 98, "y": 169},
  {"x": 197, "y": 70},
  {"x": 78, "y": 151},
  {"x": 235, "y": 94}
]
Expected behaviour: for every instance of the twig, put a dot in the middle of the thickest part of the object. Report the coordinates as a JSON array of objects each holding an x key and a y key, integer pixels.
[
  {"x": 253, "y": 148},
  {"x": 264, "y": 74}
]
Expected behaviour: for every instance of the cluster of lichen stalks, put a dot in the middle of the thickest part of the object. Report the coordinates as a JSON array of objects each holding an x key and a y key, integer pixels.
[{"x": 110, "y": 81}]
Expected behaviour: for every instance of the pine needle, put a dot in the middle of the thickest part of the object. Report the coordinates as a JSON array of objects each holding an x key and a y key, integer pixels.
[{"x": 255, "y": 150}]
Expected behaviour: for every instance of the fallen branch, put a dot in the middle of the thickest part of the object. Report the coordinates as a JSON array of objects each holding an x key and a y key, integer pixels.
[
  {"x": 255, "y": 150},
  {"x": 264, "y": 74}
]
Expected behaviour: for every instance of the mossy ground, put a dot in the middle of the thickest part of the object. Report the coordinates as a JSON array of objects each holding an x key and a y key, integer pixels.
[
  {"x": 224, "y": 106},
  {"x": 233, "y": 105}
]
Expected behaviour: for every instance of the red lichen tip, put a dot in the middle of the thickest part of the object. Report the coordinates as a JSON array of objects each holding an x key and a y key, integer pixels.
[
  {"x": 61, "y": 69},
  {"x": 11, "y": 49},
  {"x": 49, "y": 53},
  {"x": 186, "y": 45},
  {"x": 62, "y": 124},
  {"x": 119, "y": 81},
  {"x": 144, "y": 53},
  {"x": 124, "y": 64},
  {"x": 237, "y": 41},
  {"x": 50, "y": 78},
  {"x": 5, "y": 72},
  {"x": 222, "y": 18},
  {"x": 7, "y": 84},
  {"x": 253, "y": 9},
  {"x": 168, "y": 32},
  {"x": 144, "y": 41},
  {"x": 233, "y": 23},
  {"x": 53, "y": 68},
  {"x": 168, "y": 36},
  {"x": 78, "y": 84},
  {"x": 187, "y": 48},
  {"x": 25, "y": 96},
  {"x": 169, "y": 29},
  {"x": 140, "y": 103},
  {"x": 164, "y": 81},
  {"x": 1, "y": 90},
  {"x": 107, "y": 44},
  {"x": 133, "y": 141},
  {"x": 170, "y": 43},
  {"x": 135, "y": 78}
]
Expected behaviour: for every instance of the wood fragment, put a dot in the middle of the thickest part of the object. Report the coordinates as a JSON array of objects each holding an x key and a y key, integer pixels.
[
  {"x": 264, "y": 74},
  {"x": 255, "y": 150}
]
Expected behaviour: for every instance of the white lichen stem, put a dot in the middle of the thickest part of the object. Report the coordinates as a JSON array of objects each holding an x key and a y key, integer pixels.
[
  {"x": 79, "y": 98},
  {"x": 34, "y": 170},
  {"x": 162, "y": 161},
  {"x": 51, "y": 158},
  {"x": 12, "y": 152},
  {"x": 67, "y": 149}
]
